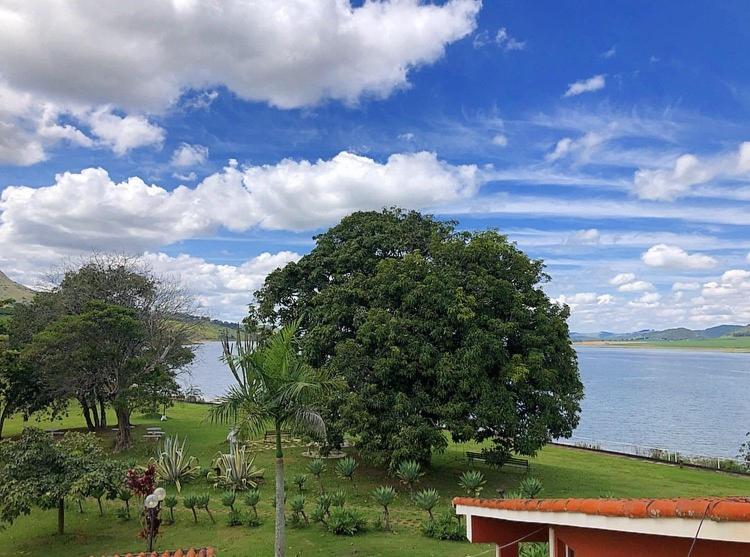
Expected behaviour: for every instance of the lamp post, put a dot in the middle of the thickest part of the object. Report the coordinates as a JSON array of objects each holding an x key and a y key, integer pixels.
[{"x": 152, "y": 503}]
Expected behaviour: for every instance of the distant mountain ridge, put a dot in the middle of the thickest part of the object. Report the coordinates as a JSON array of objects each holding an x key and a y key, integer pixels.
[
  {"x": 677, "y": 333},
  {"x": 11, "y": 289}
]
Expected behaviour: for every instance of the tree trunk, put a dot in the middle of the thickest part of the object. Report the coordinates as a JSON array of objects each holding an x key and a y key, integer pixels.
[
  {"x": 86, "y": 414},
  {"x": 61, "y": 516},
  {"x": 123, "y": 427},
  {"x": 95, "y": 414},
  {"x": 280, "y": 517},
  {"x": 2, "y": 420},
  {"x": 103, "y": 414}
]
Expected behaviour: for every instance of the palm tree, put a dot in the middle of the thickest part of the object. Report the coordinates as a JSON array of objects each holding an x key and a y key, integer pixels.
[{"x": 273, "y": 386}]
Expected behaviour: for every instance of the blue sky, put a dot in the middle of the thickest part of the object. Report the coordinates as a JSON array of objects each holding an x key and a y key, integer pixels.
[{"x": 606, "y": 138}]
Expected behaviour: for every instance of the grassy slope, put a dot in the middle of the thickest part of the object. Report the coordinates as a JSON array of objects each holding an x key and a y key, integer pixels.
[
  {"x": 729, "y": 344},
  {"x": 10, "y": 289},
  {"x": 564, "y": 472}
]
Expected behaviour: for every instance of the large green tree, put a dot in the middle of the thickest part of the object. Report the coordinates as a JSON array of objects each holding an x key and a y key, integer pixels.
[
  {"x": 434, "y": 329},
  {"x": 36, "y": 471},
  {"x": 273, "y": 386}
]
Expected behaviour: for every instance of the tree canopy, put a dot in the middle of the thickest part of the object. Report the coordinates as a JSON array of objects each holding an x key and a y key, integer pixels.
[{"x": 434, "y": 329}]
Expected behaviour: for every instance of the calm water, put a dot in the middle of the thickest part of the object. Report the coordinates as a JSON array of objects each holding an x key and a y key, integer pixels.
[{"x": 688, "y": 401}]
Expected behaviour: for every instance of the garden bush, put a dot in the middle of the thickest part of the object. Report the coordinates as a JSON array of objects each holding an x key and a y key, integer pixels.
[{"x": 346, "y": 522}]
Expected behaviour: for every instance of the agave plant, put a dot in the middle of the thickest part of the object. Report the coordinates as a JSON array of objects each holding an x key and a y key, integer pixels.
[
  {"x": 530, "y": 487},
  {"x": 346, "y": 467},
  {"x": 409, "y": 472},
  {"x": 170, "y": 501},
  {"x": 426, "y": 500},
  {"x": 190, "y": 502},
  {"x": 384, "y": 496},
  {"x": 473, "y": 482},
  {"x": 125, "y": 495},
  {"x": 338, "y": 498},
  {"x": 252, "y": 498},
  {"x": 173, "y": 465},
  {"x": 300, "y": 480},
  {"x": 228, "y": 498},
  {"x": 202, "y": 503},
  {"x": 316, "y": 468},
  {"x": 235, "y": 471},
  {"x": 298, "y": 510}
]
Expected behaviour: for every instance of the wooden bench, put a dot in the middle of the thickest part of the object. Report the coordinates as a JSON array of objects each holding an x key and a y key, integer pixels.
[
  {"x": 511, "y": 461},
  {"x": 272, "y": 435}
]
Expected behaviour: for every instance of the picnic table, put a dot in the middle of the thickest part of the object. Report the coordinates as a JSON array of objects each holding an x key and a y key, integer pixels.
[{"x": 511, "y": 461}]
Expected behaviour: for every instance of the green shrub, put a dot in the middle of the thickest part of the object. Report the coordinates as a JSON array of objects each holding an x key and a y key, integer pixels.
[
  {"x": 97, "y": 493},
  {"x": 191, "y": 502},
  {"x": 530, "y": 487},
  {"x": 228, "y": 498},
  {"x": 338, "y": 498},
  {"x": 234, "y": 518},
  {"x": 316, "y": 468},
  {"x": 173, "y": 465},
  {"x": 409, "y": 472},
  {"x": 346, "y": 467},
  {"x": 234, "y": 471},
  {"x": 445, "y": 527},
  {"x": 473, "y": 482},
  {"x": 125, "y": 495},
  {"x": 426, "y": 500},
  {"x": 384, "y": 496},
  {"x": 202, "y": 503},
  {"x": 533, "y": 550},
  {"x": 170, "y": 501},
  {"x": 300, "y": 480},
  {"x": 299, "y": 517},
  {"x": 346, "y": 522}
]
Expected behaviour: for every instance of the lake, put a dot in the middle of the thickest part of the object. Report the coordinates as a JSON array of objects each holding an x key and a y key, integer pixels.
[{"x": 690, "y": 401}]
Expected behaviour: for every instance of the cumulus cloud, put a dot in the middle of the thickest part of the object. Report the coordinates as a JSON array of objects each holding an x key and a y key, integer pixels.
[
  {"x": 594, "y": 83},
  {"x": 622, "y": 278},
  {"x": 673, "y": 257},
  {"x": 650, "y": 299},
  {"x": 581, "y": 148},
  {"x": 89, "y": 210},
  {"x": 187, "y": 155},
  {"x": 504, "y": 40},
  {"x": 501, "y": 140},
  {"x": 688, "y": 170},
  {"x": 636, "y": 286},
  {"x": 221, "y": 291},
  {"x": 589, "y": 236},
  {"x": 682, "y": 286},
  {"x": 123, "y": 133}
]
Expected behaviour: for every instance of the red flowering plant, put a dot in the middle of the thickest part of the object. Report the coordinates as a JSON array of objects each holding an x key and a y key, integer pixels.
[{"x": 142, "y": 482}]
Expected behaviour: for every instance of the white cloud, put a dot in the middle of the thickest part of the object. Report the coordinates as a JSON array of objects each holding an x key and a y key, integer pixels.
[
  {"x": 123, "y": 133},
  {"x": 605, "y": 299},
  {"x": 506, "y": 42},
  {"x": 189, "y": 177},
  {"x": 588, "y": 236},
  {"x": 500, "y": 140},
  {"x": 688, "y": 171},
  {"x": 583, "y": 147},
  {"x": 221, "y": 291},
  {"x": 681, "y": 286},
  {"x": 88, "y": 210},
  {"x": 610, "y": 53},
  {"x": 187, "y": 155},
  {"x": 636, "y": 286},
  {"x": 594, "y": 83},
  {"x": 622, "y": 278},
  {"x": 673, "y": 257},
  {"x": 406, "y": 136},
  {"x": 649, "y": 299}
]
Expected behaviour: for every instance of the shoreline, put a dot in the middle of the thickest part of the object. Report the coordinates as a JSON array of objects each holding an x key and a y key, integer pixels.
[{"x": 667, "y": 345}]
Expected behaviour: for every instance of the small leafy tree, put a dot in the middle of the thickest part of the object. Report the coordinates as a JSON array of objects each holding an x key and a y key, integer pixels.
[
  {"x": 346, "y": 467},
  {"x": 173, "y": 465},
  {"x": 426, "y": 500},
  {"x": 409, "y": 472},
  {"x": 384, "y": 496},
  {"x": 473, "y": 482},
  {"x": 170, "y": 501},
  {"x": 191, "y": 502},
  {"x": 36, "y": 471},
  {"x": 316, "y": 468}
]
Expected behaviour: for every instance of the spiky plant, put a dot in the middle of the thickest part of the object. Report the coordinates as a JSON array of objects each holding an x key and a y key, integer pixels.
[
  {"x": 202, "y": 503},
  {"x": 191, "y": 502},
  {"x": 338, "y": 498},
  {"x": 426, "y": 500},
  {"x": 384, "y": 496},
  {"x": 473, "y": 482},
  {"x": 324, "y": 506},
  {"x": 300, "y": 480},
  {"x": 228, "y": 498},
  {"x": 346, "y": 467},
  {"x": 409, "y": 472},
  {"x": 530, "y": 487},
  {"x": 235, "y": 470},
  {"x": 173, "y": 465},
  {"x": 97, "y": 493},
  {"x": 125, "y": 495},
  {"x": 252, "y": 498},
  {"x": 170, "y": 501},
  {"x": 298, "y": 509},
  {"x": 316, "y": 468}
]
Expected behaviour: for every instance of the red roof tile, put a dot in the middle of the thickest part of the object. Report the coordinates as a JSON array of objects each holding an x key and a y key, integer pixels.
[
  {"x": 202, "y": 552},
  {"x": 716, "y": 508}
]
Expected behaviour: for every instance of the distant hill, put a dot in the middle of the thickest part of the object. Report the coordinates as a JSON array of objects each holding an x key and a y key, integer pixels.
[
  {"x": 678, "y": 333},
  {"x": 206, "y": 329},
  {"x": 11, "y": 289}
]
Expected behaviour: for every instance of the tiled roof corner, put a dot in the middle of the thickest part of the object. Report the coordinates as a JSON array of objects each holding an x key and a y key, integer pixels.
[{"x": 201, "y": 552}]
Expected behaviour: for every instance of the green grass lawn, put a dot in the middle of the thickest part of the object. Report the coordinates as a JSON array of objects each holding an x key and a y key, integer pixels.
[
  {"x": 726, "y": 344},
  {"x": 564, "y": 473}
]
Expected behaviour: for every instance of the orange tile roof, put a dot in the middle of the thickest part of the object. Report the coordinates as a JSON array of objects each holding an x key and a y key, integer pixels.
[
  {"x": 716, "y": 508},
  {"x": 202, "y": 552}
]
